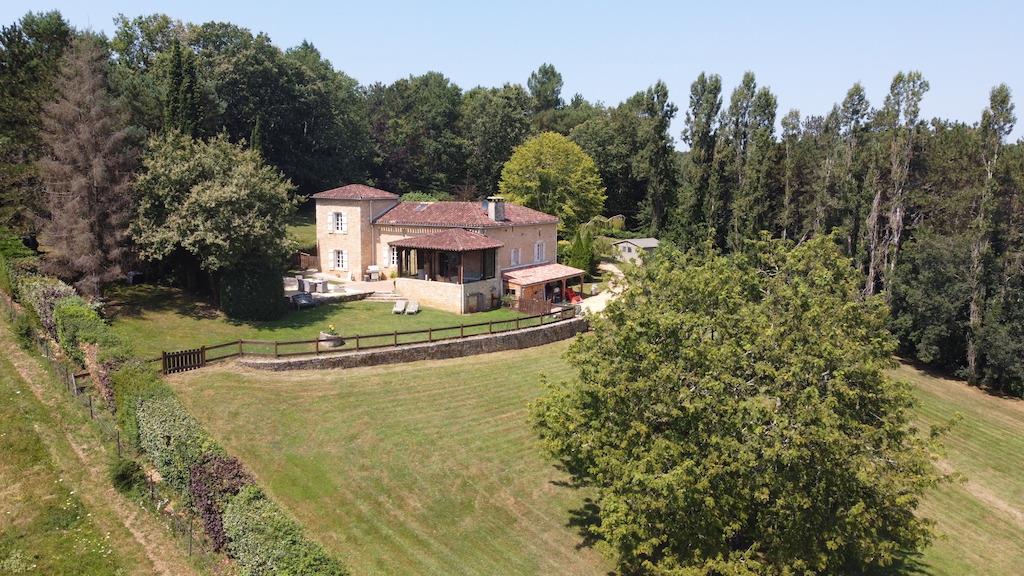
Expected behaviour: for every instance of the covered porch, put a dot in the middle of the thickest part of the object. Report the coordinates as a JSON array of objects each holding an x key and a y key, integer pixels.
[
  {"x": 540, "y": 286},
  {"x": 456, "y": 257}
]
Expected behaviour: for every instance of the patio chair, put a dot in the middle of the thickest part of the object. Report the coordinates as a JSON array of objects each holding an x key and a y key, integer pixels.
[
  {"x": 413, "y": 307},
  {"x": 399, "y": 307}
]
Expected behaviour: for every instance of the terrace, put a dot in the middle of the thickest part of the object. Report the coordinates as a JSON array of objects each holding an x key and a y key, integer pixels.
[{"x": 463, "y": 260}]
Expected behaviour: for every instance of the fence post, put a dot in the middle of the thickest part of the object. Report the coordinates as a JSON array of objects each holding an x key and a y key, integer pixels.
[
  {"x": 317, "y": 345},
  {"x": 275, "y": 349},
  {"x": 430, "y": 334},
  {"x": 240, "y": 347},
  {"x": 91, "y": 415},
  {"x": 490, "y": 326},
  {"x": 163, "y": 362},
  {"x": 462, "y": 330},
  {"x": 202, "y": 357},
  {"x": 396, "y": 337},
  {"x": 357, "y": 341},
  {"x": 190, "y": 533},
  {"x": 74, "y": 385},
  {"x": 517, "y": 322},
  {"x": 117, "y": 439}
]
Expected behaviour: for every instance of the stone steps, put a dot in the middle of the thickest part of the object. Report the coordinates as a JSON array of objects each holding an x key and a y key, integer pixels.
[{"x": 383, "y": 297}]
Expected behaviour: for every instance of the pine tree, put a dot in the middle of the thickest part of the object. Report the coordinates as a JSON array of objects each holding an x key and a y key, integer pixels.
[{"x": 86, "y": 172}]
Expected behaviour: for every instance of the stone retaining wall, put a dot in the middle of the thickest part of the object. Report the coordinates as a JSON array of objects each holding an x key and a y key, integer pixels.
[{"x": 469, "y": 346}]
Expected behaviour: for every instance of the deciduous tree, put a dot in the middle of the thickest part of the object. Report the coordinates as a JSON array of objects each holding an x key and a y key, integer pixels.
[
  {"x": 553, "y": 174},
  {"x": 733, "y": 415}
]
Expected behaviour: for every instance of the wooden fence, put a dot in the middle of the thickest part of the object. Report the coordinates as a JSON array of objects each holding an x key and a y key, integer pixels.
[{"x": 182, "y": 360}]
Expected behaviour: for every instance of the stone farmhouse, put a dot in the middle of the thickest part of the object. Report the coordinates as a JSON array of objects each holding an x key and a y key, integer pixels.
[{"x": 456, "y": 256}]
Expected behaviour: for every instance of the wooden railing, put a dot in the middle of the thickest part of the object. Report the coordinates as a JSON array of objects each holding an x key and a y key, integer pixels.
[{"x": 181, "y": 360}]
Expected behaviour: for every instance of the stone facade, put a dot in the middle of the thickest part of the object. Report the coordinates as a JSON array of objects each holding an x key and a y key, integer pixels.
[
  {"x": 365, "y": 242},
  {"x": 482, "y": 344},
  {"x": 356, "y": 241}
]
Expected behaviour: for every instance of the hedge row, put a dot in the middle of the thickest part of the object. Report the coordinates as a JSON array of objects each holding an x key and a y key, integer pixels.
[
  {"x": 266, "y": 542},
  {"x": 40, "y": 294},
  {"x": 235, "y": 513}
]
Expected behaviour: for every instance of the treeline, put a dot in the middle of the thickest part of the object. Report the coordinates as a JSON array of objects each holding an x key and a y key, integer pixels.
[{"x": 929, "y": 210}]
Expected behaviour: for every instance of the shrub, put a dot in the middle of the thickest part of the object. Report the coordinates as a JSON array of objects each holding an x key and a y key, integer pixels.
[
  {"x": 76, "y": 322},
  {"x": 265, "y": 541},
  {"x": 11, "y": 269},
  {"x": 213, "y": 481},
  {"x": 255, "y": 293},
  {"x": 11, "y": 245},
  {"x": 134, "y": 382},
  {"x": 41, "y": 294},
  {"x": 172, "y": 438},
  {"x": 125, "y": 474},
  {"x": 24, "y": 331}
]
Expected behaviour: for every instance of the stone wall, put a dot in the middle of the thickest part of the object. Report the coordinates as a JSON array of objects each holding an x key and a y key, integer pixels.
[{"x": 482, "y": 344}]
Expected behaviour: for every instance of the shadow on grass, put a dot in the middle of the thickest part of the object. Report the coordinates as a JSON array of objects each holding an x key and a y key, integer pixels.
[
  {"x": 584, "y": 519},
  {"x": 941, "y": 374},
  {"x": 133, "y": 301}
]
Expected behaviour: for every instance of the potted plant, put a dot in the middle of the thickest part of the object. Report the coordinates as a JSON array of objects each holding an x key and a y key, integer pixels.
[{"x": 329, "y": 338}]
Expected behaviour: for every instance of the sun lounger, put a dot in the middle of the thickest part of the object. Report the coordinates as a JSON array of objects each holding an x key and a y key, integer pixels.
[
  {"x": 399, "y": 307},
  {"x": 413, "y": 307}
]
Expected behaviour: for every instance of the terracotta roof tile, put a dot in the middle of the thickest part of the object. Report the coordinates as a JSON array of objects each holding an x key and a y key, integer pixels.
[
  {"x": 355, "y": 192},
  {"x": 453, "y": 240},
  {"x": 460, "y": 215}
]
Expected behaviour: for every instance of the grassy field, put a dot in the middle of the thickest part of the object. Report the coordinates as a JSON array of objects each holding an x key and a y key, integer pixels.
[
  {"x": 431, "y": 468},
  {"x": 44, "y": 527},
  {"x": 426, "y": 468},
  {"x": 302, "y": 229},
  {"x": 155, "y": 319},
  {"x": 981, "y": 519}
]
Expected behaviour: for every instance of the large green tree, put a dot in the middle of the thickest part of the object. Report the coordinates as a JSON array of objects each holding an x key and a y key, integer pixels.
[
  {"x": 413, "y": 128},
  {"x": 733, "y": 416},
  {"x": 553, "y": 174},
  {"x": 212, "y": 207},
  {"x": 493, "y": 121},
  {"x": 30, "y": 52}
]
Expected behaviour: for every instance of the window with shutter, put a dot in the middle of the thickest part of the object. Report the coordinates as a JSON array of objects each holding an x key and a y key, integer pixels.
[
  {"x": 514, "y": 257},
  {"x": 341, "y": 259},
  {"x": 538, "y": 251},
  {"x": 340, "y": 222}
]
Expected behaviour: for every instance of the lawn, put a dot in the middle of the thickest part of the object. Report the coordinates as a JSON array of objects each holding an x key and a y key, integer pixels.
[
  {"x": 422, "y": 468},
  {"x": 302, "y": 230},
  {"x": 431, "y": 467},
  {"x": 156, "y": 318},
  {"x": 981, "y": 519},
  {"x": 44, "y": 527}
]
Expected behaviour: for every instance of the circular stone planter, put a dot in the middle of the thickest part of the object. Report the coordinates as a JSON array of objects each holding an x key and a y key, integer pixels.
[{"x": 330, "y": 341}]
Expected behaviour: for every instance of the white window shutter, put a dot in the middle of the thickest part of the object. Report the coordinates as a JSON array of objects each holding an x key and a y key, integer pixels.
[
  {"x": 330, "y": 222},
  {"x": 344, "y": 258},
  {"x": 344, "y": 222},
  {"x": 331, "y": 262}
]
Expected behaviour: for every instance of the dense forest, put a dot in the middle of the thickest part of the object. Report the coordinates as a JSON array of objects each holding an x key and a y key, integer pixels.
[{"x": 930, "y": 210}]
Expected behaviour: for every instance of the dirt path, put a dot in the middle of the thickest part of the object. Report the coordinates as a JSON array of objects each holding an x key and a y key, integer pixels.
[{"x": 79, "y": 454}]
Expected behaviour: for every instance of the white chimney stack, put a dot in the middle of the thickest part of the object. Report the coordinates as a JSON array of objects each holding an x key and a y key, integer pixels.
[{"x": 496, "y": 208}]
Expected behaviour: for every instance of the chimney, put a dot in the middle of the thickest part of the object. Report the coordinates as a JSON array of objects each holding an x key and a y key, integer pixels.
[{"x": 496, "y": 208}]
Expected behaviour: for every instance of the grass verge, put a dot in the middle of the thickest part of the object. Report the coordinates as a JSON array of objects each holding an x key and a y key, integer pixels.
[{"x": 44, "y": 526}]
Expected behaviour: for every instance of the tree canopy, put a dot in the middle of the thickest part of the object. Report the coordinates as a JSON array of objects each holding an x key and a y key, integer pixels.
[
  {"x": 214, "y": 200},
  {"x": 553, "y": 174},
  {"x": 733, "y": 415}
]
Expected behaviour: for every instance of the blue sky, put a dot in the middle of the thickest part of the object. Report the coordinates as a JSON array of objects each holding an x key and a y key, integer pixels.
[{"x": 809, "y": 53}]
